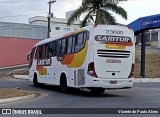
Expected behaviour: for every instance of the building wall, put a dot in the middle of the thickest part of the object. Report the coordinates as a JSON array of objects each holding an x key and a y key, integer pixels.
[
  {"x": 55, "y": 23},
  {"x": 16, "y": 40},
  {"x": 20, "y": 30},
  {"x": 13, "y": 51}
]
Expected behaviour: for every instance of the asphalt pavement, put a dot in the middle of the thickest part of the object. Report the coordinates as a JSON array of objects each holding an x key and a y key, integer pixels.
[{"x": 142, "y": 95}]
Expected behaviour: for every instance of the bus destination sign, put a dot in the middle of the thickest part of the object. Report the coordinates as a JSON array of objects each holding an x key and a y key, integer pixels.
[{"x": 44, "y": 62}]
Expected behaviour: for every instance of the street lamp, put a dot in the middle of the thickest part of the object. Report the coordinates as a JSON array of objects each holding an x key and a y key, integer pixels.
[{"x": 50, "y": 15}]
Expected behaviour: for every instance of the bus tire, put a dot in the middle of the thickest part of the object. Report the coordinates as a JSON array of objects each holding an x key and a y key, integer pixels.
[
  {"x": 63, "y": 83},
  {"x": 35, "y": 82},
  {"x": 97, "y": 90}
]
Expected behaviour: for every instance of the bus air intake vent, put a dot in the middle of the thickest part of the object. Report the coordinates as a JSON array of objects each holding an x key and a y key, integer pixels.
[{"x": 113, "y": 53}]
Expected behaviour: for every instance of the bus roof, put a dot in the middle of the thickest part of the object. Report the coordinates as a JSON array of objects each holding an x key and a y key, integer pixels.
[
  {"x": 73, "y": 32},
  {"x": 61, "y": 36}
]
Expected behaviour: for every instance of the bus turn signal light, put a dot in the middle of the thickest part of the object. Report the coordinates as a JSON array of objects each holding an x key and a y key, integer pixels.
[{"x": 91, "y": 70}]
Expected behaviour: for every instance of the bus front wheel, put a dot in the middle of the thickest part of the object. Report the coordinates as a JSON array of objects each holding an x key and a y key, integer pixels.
[{"x": 35, "y": 82}]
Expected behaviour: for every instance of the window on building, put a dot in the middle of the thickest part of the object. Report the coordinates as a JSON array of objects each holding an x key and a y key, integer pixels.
[
  {"x": 57, "y": 28},
  {"x": 66, "y": 30},
  {"x": 154, "y": 36},
  {"x": 147, "y": 37}
]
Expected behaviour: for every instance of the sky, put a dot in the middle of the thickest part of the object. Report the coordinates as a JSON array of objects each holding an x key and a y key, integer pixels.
[{"x": 20, "y": 10}]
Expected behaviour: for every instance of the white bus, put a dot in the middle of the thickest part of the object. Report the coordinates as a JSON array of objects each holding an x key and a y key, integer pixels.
[{"x": 94, "y": 57}]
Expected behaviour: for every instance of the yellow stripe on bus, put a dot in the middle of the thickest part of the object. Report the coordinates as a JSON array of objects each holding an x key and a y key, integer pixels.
[
  {"x": 79, "y": 57},
  {"x": 115, "y": 46}
]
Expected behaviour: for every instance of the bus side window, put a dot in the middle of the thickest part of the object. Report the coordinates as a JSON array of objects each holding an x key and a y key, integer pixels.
[
  {"x": 58, "y": 47},
  {"x": 44, "y": 51},
  {"x": 39, "y": 52},
  {"x": 50, "y": 49},
  {"x": 79, "y": 42},
  {"x": 69, "y": 46},
  {"x": 73, "y": 44},
  {"x": 87, "y": 35},
  {"x": 54, "y": 48},
  {"x": 31, "y": 57},
  {"x": 63, "y": 48},
  {"x": 84, "y": 37},
  {"x": 47, "y": 50},
  {"x": 32, "y": 53}
]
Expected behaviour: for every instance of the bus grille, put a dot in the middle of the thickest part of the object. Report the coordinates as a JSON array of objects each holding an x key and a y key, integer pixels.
[{"x": 113, "y": 53}]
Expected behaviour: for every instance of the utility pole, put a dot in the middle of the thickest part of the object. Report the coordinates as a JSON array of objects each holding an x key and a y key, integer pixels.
[{"x": 50, "y": 15}]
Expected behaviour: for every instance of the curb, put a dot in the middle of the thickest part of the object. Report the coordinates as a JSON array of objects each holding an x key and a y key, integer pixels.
[
  {"x": 26, "y": 77},
  {"x": 23, "y": 65},
  {"x": 16, "y": 99},
  {"x": 145, "y": 80}
]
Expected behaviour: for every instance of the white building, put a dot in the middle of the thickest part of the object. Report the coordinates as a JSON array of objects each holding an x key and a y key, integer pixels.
[
  {"x": 152, "y": 37},
  {"x": 58, "y": 25}
]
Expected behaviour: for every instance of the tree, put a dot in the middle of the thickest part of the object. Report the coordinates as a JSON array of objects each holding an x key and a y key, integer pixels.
[{"x": 101, "y": 9}]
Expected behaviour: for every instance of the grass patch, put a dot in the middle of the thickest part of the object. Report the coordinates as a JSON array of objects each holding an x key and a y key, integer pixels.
[
  {"x": 152, "y": 68},
  {"x": 13, "y": 92}
]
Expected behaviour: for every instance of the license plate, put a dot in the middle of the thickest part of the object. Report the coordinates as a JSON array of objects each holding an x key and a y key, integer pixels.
[{"x": 112, "y": 82}]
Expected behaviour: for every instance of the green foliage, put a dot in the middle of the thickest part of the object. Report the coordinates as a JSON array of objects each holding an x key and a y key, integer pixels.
[{"x": 102, "y": 10}]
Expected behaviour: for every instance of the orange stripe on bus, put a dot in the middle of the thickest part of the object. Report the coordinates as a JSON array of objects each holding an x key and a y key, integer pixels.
[{"x": 67, "y": 59}]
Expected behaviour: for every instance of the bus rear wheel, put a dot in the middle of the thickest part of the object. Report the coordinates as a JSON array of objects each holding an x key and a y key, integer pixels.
[
  {"x": 63, "y": 84},
  {"x": 97, "y": 90}
]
